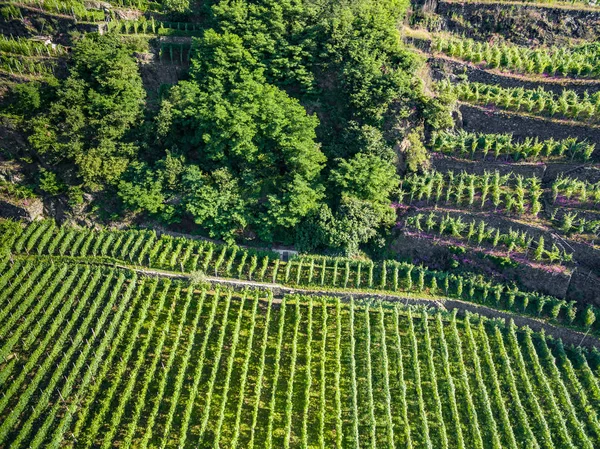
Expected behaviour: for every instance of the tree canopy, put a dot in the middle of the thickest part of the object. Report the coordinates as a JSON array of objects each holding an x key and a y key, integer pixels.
[
  {"x": 243, "y": 137},
  {"x": 94, "y": 108},
  {"x": 294, "y": 123}
]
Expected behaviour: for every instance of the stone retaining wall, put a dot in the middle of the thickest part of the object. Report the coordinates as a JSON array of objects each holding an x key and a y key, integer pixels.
[
  {"x": 522, "y": 24},
  {"x": 487, "y": 120},
  {"x": 441, "y": 67},
  {"x": 28, "y": 211}
]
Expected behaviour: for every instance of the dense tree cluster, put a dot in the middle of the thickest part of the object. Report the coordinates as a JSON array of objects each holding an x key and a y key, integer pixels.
[
  {"x": 86, "y": 123},
  {"x": 295, "y": 124}
]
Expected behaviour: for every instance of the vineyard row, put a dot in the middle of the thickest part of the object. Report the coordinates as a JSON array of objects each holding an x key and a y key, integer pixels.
[
  {"x": 113, "y": 359},
  {"x": 145, "y": 248}
]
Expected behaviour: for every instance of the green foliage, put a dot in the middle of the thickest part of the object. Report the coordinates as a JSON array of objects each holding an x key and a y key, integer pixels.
[
  {"x": 354, "y": 223},
  {"x": 18, "y": 65},
  {"x": 75, "y": 194},
  {"x": 76, "y": 9},
  {"x": 10, "y": 12},
  {"x": 539, "y": 250},
  {"x": 197, "y": 278},
  {"x": 465, "y": 144},
  {"x": 372, "y": 66},
  {"x": 415, "y": 154},
  {"x": 29, "y": 47},
  {"x": 363, "y": 138},
  {"x": 215, "y": 201},
  {"x": 136, "y": 354},
  {"x": 433, "y": 288},
  {"x": 589, "y": 317},
  {"x": 502, "y": 262},
  {"x": 578, "y": 61},
  {"x": 277, "y": 33},
  {"x": 493, "y": 189},
  {"x": 572, "y": 190},
  {"x": 438, "y": 110},
  {"x": 16, "y": 191},
  {"x": 569, "y": 104},
  {"x": 24, "y": 99},
  {"x": 366, "y": 177},
  {"x": 289, "y": 120},
  {"x": 176, "y": 6},
  {"x": 49, "y": 183},
  {"x": 94, "y": 109},
  {"x": 167, "y": 252},
  {"x": 138, "y": 44},
  {"x": 256, "y": 145},
  {"x": 479, "y": 230},
  {"x": 364, "y": 184},
  {"x": 9, "y": 231},
  {"x": 141, "y": 189}
]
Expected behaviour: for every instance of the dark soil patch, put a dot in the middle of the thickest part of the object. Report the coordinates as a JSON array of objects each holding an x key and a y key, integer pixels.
[
  {"x": 522, "y": 24},
  {"x": 585, "y": 287},
  {"x": 586, "y": 257},
  {"x": 156, "y": 74},
  {"x": 588, "y": 172},
  {"x": 444, "y": 163},
  {"x": 528, "y": 277},
  {"x": 443, "y": 67},
  {"x": 485, "y": 120}
]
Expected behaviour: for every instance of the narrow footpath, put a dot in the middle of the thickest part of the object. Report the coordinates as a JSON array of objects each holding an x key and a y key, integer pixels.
[{"x": 568, "y": 336}]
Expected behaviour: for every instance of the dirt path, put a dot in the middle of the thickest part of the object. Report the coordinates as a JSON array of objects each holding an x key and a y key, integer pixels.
[{"x": 569, "y": 336}]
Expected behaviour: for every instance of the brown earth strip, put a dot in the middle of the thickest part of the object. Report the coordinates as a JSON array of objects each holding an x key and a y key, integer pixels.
[
  {"x": 441, "y": 66},
  {"x": 488, "y": 120},
  {"x": 524, "y": 24}
]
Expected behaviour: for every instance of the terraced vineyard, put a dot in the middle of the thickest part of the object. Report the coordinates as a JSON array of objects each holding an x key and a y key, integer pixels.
[
  {"x": 512, "y": 188},
  {"x": 178, "y": 254},
  {"x": 99, "y": 357},
  {"x": 316, "y": 224}
]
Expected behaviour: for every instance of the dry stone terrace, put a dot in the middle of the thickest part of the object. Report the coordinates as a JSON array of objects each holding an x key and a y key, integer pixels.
[{"x": 518, "y": 49}]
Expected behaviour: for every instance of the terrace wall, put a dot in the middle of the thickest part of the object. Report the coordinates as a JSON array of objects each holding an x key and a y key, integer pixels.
[
  {"x": 520, "y": 23},
  {"x": 41, "y": 22},
  {"x": 28, "y": 210},
  {"x": 587, "y": 259},
  {"x": 479, "y": 119},
  {"x": 587, "y": 172},
  {"x": 441, "y": 67},
  {"x": 444, "y": 163},
  {"x": 584, "y": 288},
  {"x": 426, "y": 251}
]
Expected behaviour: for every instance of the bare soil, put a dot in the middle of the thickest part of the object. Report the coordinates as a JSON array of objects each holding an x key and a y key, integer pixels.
[
  {"x": 525, "y": 24},
  {"x": 488, "y": 120}
]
